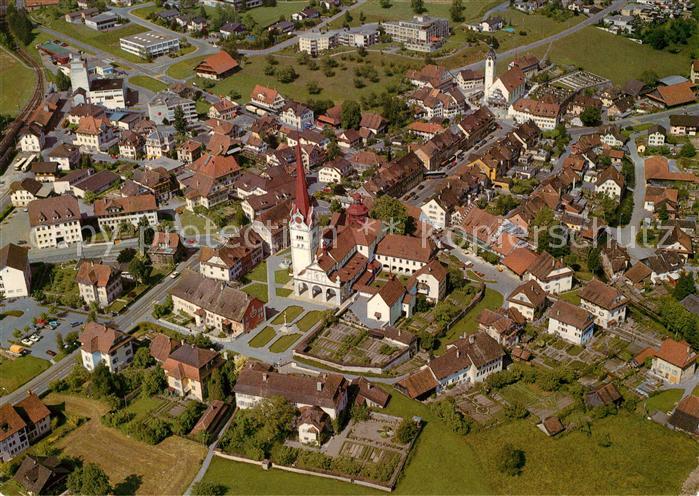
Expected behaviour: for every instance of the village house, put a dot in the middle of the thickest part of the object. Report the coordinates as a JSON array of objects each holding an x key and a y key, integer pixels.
[
  {"x": 571, "y": 323},
  {"x": 98, "y": 283},
  {"x": 469, "y": 80},
  {"x": 41, "y": 475},
  {"x": 546, "y": 115},
  {"x": 22, "y": 424},
  {"x": 138, "y": 210},
  {"x": 313, "y": 426},
  {"x": 604, "y": 302},
  {"x": 399, "y": 254},
  {"x": 468, "y": 360},
  {"x": 502, "y": 325},
  {"x": 391, "y": 302},
  {"x": 45, "y": 172},
  {"x": 674, "y": 361},
  {"x": 166, "y": 249},
  {"x": 25, "y": 191},
  {"x": 552, "y": 275},
  {"x": 32, "y": 139},
  {"x": 217, "y": 66},
  {"x": 55, "y": 222},
  {"x": 684, "y": 124},
  {"x": 610, "y": 182},
  {"x": 230, "y": 261},
  {"x": 431, "y": 281},
  {"x": 213, "y": 304},
  {"x": 100, "y": 344},
  {"x": 326, "y": 391},
  {"x": 212, "y": 181},
  {"x": 94, "y": 135},
  {"x": 267, "y": 99},
  {"x": 657, "y": 135},
  {"x": 223, "y": 109},
  {"x": 529, "y": 299},
  {"x": 15, "y": 274},
  {"x": 65, "y": 155},
  {"x": 296, "y": 116},
  {"x": 188, "y": 370},
  {"x": 335, "y": 171}
]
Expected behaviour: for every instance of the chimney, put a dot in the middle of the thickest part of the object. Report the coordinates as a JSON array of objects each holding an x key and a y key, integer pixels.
[
  {"x": 319, "y": 386},
  {"x": 264, "y": 377},
  {"x": 472, "y": 339},
  {"x": 458, "y": 353}
]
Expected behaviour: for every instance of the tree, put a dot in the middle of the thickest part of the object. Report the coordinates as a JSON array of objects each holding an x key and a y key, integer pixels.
[
  {"x": 688, "y": 150},
  {"x": 457, "y": 11},
  {"x": 594, "y": 261},
  {"x": 313, "y": 88},
  {"x": 154, "y": 381},
  {"x": 215, "y": 389},
  {"x": 180, "y": 121},
  {"x": 385, "y": 4},
  {"x": 351, "y": 115},
  {"x": 126, "y": 255},
  {"x": 103, "y": 383},
  {"x": 140, "y": 268},
  {"x": 142, "y": 358},
  {"x": 510, "y": 460},
  {"x": 591, "y": 116},
  {"x": 418, "y": 6},
  {"x": 286, "y": 75},
  {"x": 89, "y": 480},
  {"x": 393, "y": 213},
  {"x": 649, "y": 77},
  {"x": 348, "y": 17},
  {"x": 59, "y": 341},
  {"x": 684, "y": 287},
  {"x": 62, "y": 81}
]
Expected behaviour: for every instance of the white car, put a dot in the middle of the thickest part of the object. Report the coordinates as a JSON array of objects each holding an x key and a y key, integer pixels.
[
  {"x": 27, "y": 342},
  {"x": 34, "y": 338}
]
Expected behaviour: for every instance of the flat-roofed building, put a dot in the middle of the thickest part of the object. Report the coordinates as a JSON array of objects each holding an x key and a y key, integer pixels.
[
  {"x": 421, "y": 33},
  {"x": 150, "y": 44}
]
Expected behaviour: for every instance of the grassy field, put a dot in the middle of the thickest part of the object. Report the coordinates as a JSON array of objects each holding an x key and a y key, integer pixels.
[
  {"x": 17, "y": 83},
  {"x": 469, "y": 323},
  {"x": 571, "y": 297},
  {"x": 184, "y": 68},
  {"x": 282, "y": 276},
  {"x": 337, "y": 88},
  {"x": 592, "y": 49},
  {"x": 664, "y": 401},
  {"x": 536, "y": 27},
  {"x": 290, "y": 313},
  {"x": 148, "y": 83},
  {"x": 167, "y": 468},
  {"x": 576, "y": 464},
  {"x": 401, "y": 9},
  {"x": 144, "y": 12},
  {"x": 15, "y": 373},
  {"x": 259, "y": 291},
  {"x": 104, "y": 40},
  {"x": 283, "y": 343},
  {"x": 265, "y": 336},
  {"x": 308, "y": 320},
  {"x": 283, "y": 292}
]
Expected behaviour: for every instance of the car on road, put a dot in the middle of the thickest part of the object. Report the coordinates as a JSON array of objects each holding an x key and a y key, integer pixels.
[{"x": 174, "y": 274}]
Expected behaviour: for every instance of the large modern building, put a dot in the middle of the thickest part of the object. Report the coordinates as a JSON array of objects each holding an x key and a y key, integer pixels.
[
  {"x": 150, "y": 44},
  {"x": 422, "y": 33}
]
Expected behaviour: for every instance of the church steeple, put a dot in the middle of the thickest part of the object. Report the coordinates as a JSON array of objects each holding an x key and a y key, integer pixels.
[{"x": 302, "y": 203}]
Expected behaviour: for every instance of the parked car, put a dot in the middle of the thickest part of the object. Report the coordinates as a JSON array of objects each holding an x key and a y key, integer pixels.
[
  {"x": 174, "y": 274},
  {"x": 27, "y": 342},
  {"x": 51, "y": 353},
  {"x": 53, "y": 324},
  {"x": 35, "y": 338},
  {"x": 75, "y": 324}
]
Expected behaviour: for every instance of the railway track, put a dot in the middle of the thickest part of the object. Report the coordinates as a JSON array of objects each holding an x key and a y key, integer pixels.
[{"x": 8, "y": 140}]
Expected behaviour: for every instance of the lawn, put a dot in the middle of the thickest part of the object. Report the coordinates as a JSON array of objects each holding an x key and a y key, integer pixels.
[
  {"x": 338, "y": 87},
  {"x": 283, "y": 292},
  {"x": 15, "y": 373},
  {"x": 184, "y": 68},
  {"x": 265, "y": 336},
  {"x": 283, "y": 343},
  {"x": 469, "y": 323},
  {"x": 259, "y": 291},
  {"x": 144, "y": 12},
  {"x": 259, "y": 273},
  {"x": 196, "y": 224},
  {"x": 663, "y": 401},
  {"x": 575, "y": 463},
  {"x": 17, "y": 83},
  {"x": 592, "y": 49},
  {"x": 290, "y": 313},
  {"x": 282, "y": 276},
  {"x": 104, "y": 40},
  {"x": 309, "y": 320},
  {"x": 148, "y": 83},
  {"x": 530, "y": 396},
  {"x": 536, "y": 26},
  {"x": 138, "y": 468},
  {"x": 571, "y": 297}
]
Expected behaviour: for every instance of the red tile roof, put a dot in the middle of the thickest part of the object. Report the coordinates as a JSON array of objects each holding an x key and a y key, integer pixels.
[{"x": 218, "y": 63}]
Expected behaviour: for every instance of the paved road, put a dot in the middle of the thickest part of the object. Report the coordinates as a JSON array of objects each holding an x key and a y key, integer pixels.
[
  {"x": 136, "y": 313},
  {"x": 590, "y": 21},
  {"x": 106, "y": 251}
]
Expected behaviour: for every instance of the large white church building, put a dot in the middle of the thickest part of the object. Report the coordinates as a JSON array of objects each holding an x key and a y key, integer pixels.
[
  {"x": 331, "y": 266},
  {"x": 506, "y": 89}
]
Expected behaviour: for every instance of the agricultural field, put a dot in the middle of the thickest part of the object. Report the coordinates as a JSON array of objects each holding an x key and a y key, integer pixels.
[
  {"x": 132, "y": 467},
  {"x": 17, "y": 83}
]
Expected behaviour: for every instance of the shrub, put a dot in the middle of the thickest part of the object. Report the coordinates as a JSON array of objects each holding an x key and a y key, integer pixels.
[
  {"x": 515, "y": 411},
  {"x": 117, "y": 418},
  {"x": 284, "y": 455},
  {"x": 448, "y": 413},
  {"x": 204, "y": 488},
  {"x": 510, "y": 460},
  {"x": 407, "y": 431}
]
